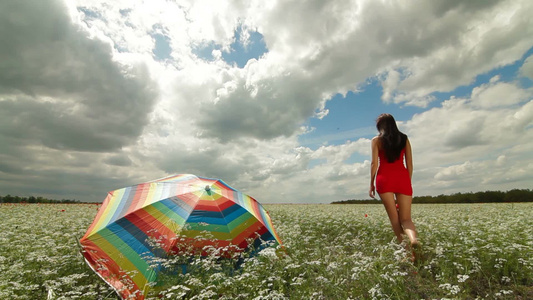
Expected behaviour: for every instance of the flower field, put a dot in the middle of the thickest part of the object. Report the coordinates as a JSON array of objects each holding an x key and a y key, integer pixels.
[{"x": 470, "y": 251}]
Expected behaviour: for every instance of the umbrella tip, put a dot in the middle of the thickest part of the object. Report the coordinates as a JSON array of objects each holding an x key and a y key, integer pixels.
[{"x": 207, "y": 188}]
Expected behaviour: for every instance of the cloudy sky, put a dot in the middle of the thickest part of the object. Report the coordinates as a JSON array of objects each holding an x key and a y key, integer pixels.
[{"x": 277, "y": 98}]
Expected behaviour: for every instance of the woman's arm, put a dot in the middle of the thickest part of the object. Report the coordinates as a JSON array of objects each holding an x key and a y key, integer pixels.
[
  {"x": 373, "y": 167},
  {"x": 409, "y": 158}
]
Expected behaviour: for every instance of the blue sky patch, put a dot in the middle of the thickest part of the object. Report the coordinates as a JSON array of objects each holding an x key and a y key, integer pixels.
[
  {"x": 162, "y": 49},
  {"x": 240, "y": 53},
  {"x": 353, "y": 117},
  {"x": 89, "y": 13}
]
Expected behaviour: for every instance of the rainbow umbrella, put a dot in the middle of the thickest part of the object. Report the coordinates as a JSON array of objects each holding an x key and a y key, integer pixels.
[{"x": 138, "y": 227}]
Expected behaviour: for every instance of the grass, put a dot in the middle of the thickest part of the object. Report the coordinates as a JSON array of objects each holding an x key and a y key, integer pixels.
[{"x": 482, "y": 251}]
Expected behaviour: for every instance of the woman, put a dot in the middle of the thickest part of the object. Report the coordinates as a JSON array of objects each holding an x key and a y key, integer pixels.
[{"x": 392, "y": 177}]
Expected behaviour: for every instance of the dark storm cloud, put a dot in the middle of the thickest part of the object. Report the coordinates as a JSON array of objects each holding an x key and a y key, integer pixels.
[
  {"x": 61, "y": 88},
  {"x": 118, "y": 160}
]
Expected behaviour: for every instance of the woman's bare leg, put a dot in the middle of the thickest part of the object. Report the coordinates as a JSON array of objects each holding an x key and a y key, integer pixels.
[
  {"x": 390, "y": 207},
  {"x": 404, "y": 204}
]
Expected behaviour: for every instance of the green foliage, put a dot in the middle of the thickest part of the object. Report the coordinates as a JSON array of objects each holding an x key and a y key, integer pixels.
[
  {"x": 515, "y": 195},
  {"x": 16, "y": 199},
  {"x": 39, "y": 252}
]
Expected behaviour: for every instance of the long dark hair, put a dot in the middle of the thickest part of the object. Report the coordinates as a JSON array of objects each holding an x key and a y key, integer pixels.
[{"x": 392, "y": 140}]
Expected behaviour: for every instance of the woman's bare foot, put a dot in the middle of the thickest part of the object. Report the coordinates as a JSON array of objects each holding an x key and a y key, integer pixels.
[{"x": 416, "y": 250}]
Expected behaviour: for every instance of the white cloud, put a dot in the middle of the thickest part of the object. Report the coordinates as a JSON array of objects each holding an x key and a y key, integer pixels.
[
  {"x": 527, "y": 68},
  {"x": 498, "y": 94},
  {"x": 390, "y": 84},
  {"x": 448, "y": 47},
  {"x": 465, "y": 145},
  {"x": 455, "y": 171}
]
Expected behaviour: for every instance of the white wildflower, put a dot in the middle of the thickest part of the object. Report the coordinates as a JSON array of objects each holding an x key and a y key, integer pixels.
[
  {"x": 451, "y": 289},
  {"x": 506, "y": 279},
  {"x": 506, "y": 292}
]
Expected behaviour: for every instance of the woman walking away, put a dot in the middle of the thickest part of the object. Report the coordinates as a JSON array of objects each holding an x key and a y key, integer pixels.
[{"x": 393, "y": 178}]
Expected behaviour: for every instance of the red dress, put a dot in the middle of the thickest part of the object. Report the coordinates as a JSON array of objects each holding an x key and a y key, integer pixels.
[{"x": 393, "y": 177}]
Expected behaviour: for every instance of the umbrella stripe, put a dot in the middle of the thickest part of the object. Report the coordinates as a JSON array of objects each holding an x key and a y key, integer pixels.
[
  {"x": 237, "y": 197},
  {"x": 270, "y": 225},
  {"x": 139, "y": 250},
  {"x": 214, "y": 205},
  {"x": 233, "y": 218},
  {"x": 241, "y": 199},
  {"x": 151, "y": 194},
  {"x": 188, "y": 198},
  {"x": 126, "y": 199},
  {"x": 114, "y": 206},
  {"x": 237, "y": 216},
  {"x": 242, "y": 241},
  {"x": 186, "y": 206},
  {"x": 159, "y": 224},
  {"x": 172, "y": 210},
  {"x": 162, "y": 191},
  {"x": 249, "y": 203},
  {"x": 98, "y": 216},
  {"x": 131, "y": 235},
  {"x": 113, "y": 199},
  {"x": 165, "y": 192},
  {"x": 128, "y": 245},
  {"x": 140, "y": 196},
  {"x": 94, "y": 254},
  {"x": 117, "y": 249},
  {"x": 137, "y": 229},
  {"x": 258, "y": 244},
  {"x": 199, "y": 246},
  {"x": 179, "y": 191},
  {"x": 239, "y": 224},
  {"x": 249, "y": 232},
  {"x": 231, "y": 212},
  {"x": 228, "y": 214},
  {"x": 263, "y": 218},
  {"x": 224, "y": 185},
  {"x": 267, "y": 221},
  {"x": 236, "y": 229},
  {"x": 183, "y": 189},
  {"x": 134, "y": 198},
  {"x": 200, "y": 216},
  {"x": 240, "y": 221},
  {"x": 155, "y": 193},
  {"x": 255, "y": 206},
  {"x": 228, "y": 228}
]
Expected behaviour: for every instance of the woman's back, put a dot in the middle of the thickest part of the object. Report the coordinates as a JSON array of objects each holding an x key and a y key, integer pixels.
[
  {"x": 393, "y": 177},
  {"x": 397, "y": 164}
]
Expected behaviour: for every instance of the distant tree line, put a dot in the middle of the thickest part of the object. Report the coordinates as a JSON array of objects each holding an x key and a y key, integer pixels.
[
  {"x": 515, "y": 195},
  {"x": 16, "y": 199}
]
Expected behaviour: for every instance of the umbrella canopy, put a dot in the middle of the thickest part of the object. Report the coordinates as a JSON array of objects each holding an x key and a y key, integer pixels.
[{"x": 138, "y": 226}]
